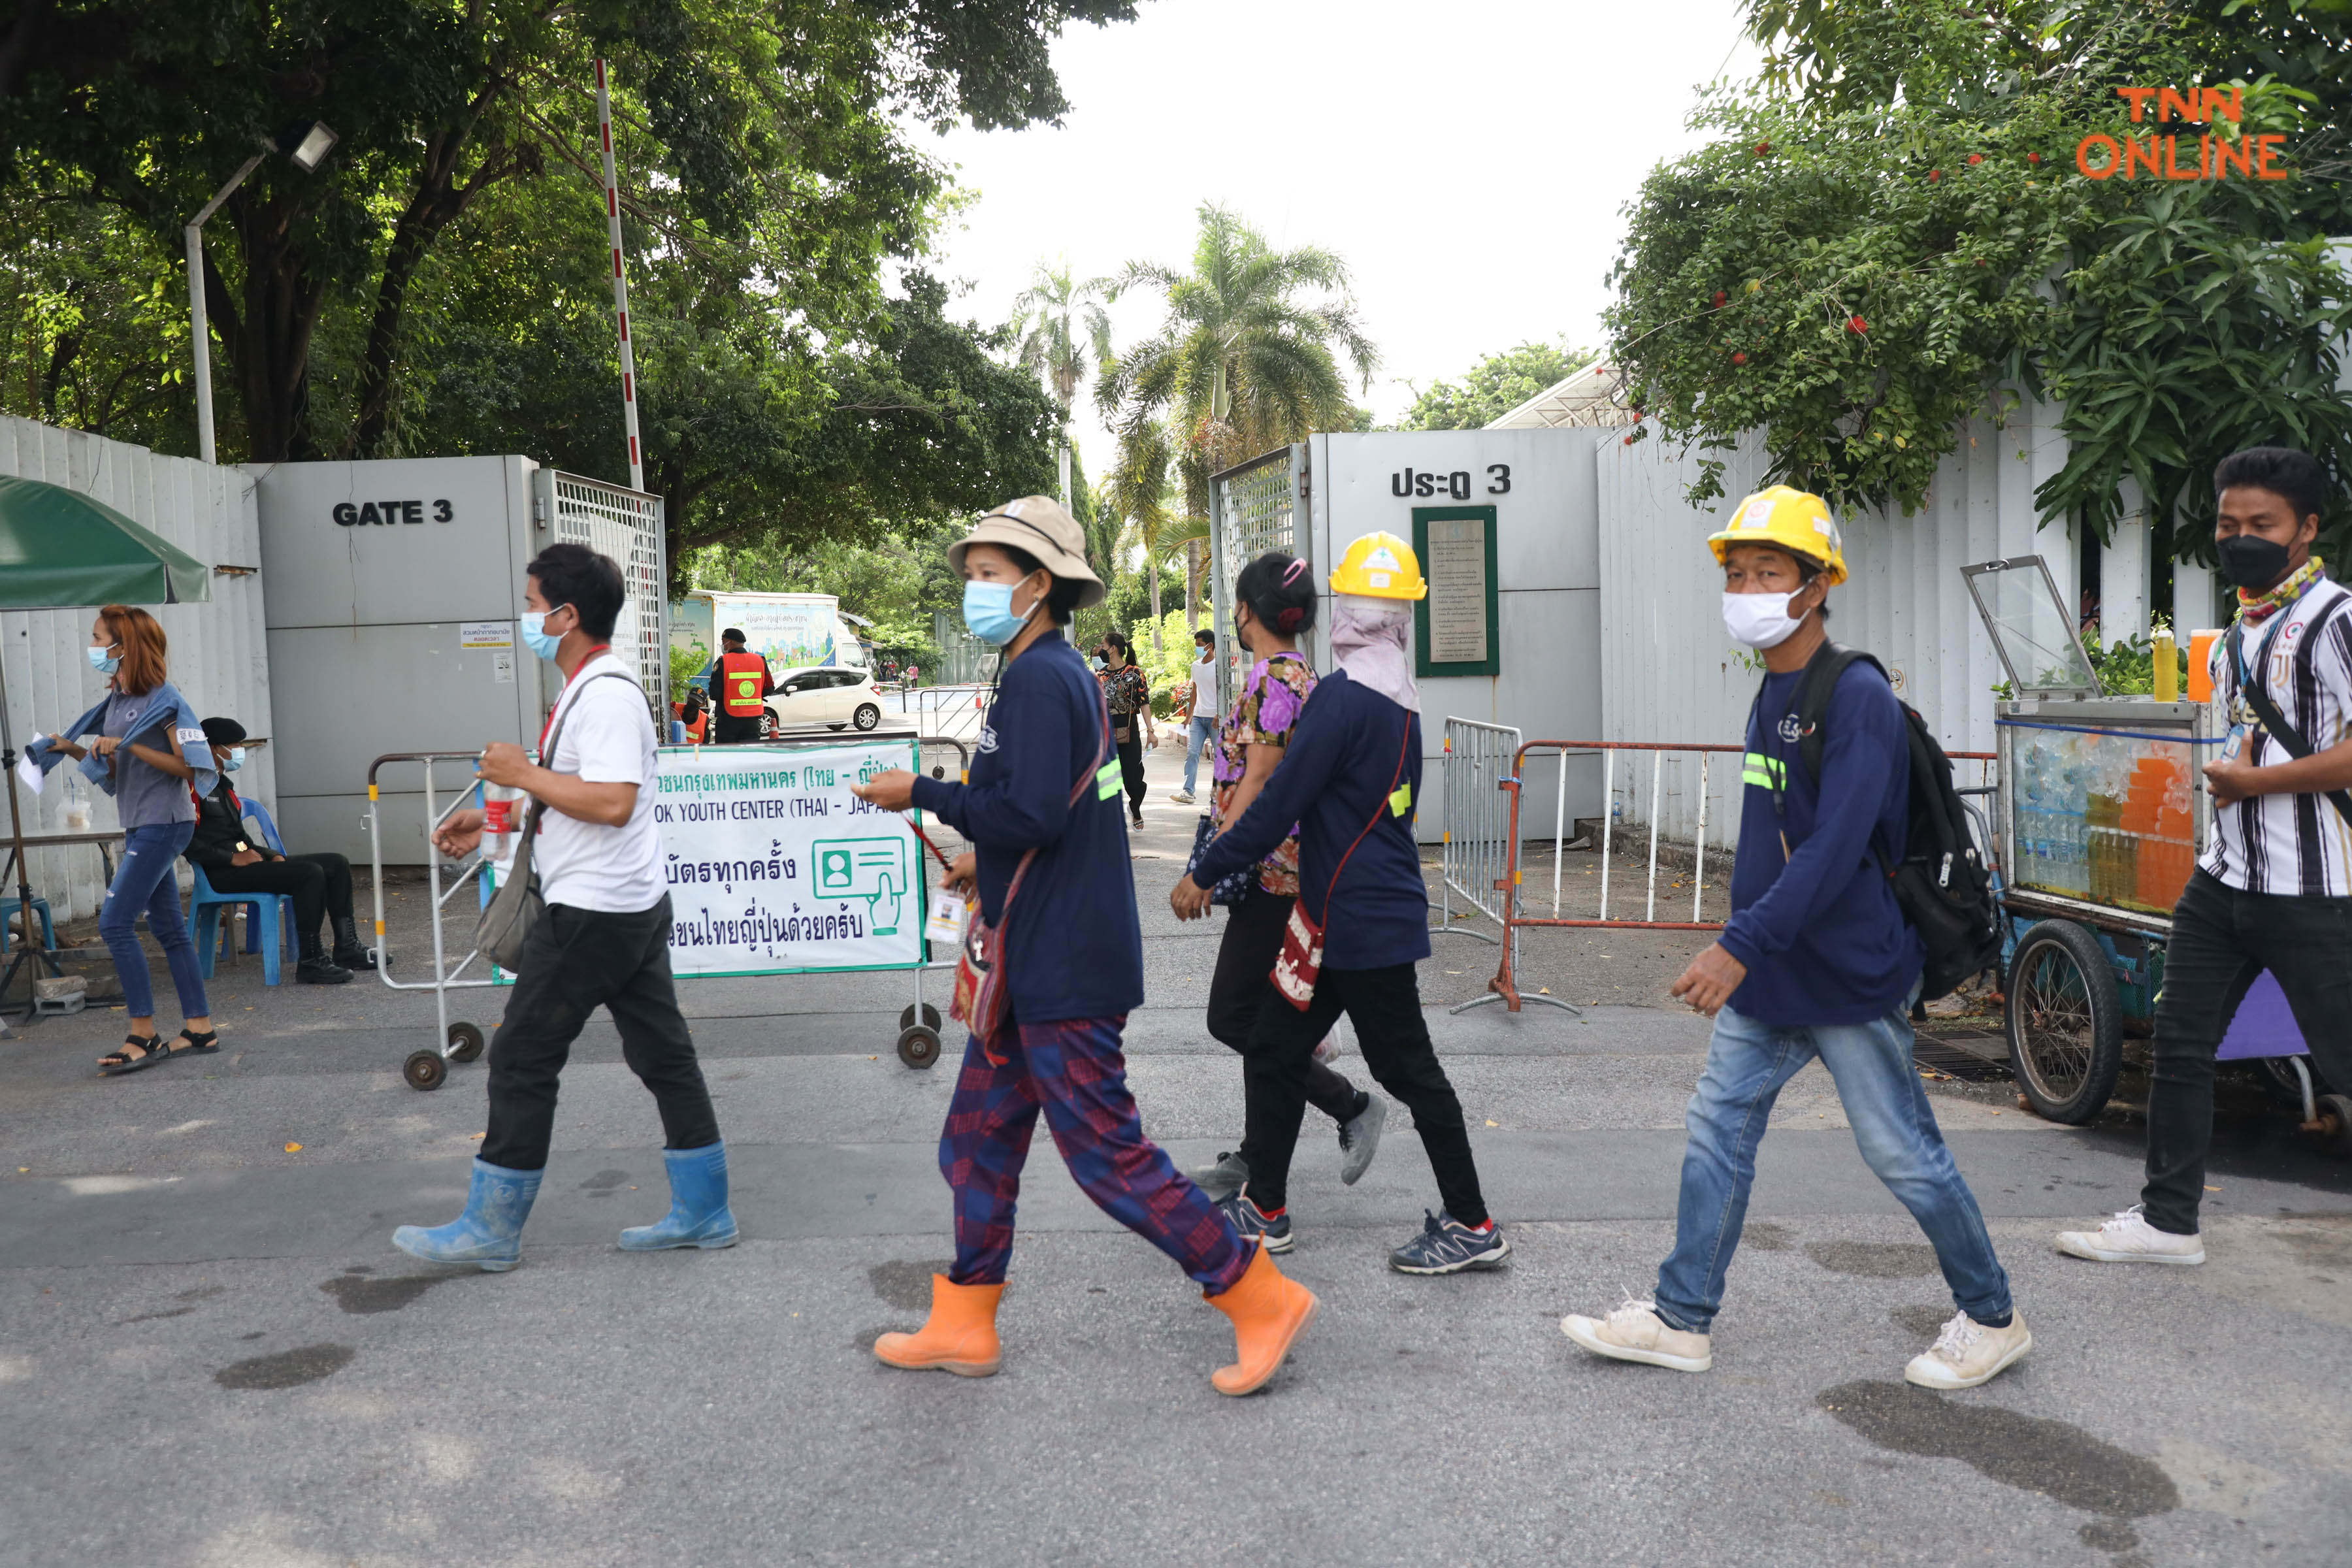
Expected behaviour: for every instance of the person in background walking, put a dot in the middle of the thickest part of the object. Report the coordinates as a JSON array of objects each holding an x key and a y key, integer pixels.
[
  {"x": 1274, "y": 607},
  {"x": 1201, "y": 725},
  {"x": 603, "y": 940},
  {"x": 2275, "y": 888},
  {"x": 1817, "y": 961},
  {"x": 151, "y": 756},
  {"x": 740, "y": 683},
  {"x": 1129, "y": 696},
  {"x": 318, "y": 883},
  {"x": 1349, "y": 777},
  {"x": 1051, "y": 867}
]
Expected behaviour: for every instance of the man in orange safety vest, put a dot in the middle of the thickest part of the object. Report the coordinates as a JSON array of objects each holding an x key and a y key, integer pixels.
[{"x": 740, "y": 683}]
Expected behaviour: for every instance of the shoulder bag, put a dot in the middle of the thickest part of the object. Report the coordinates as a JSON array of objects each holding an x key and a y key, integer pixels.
[
  {"x": 506, "y": 921},
  {"x": 980, "y": 995},
  {"x": 2254, "y": 687},
  {"x": 1301, "y": 962}
]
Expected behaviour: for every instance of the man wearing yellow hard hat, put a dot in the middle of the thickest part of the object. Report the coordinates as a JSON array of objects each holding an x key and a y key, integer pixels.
[
  {"x": 1817, "y": 961},
  {"x": 1350, "y": 779}
]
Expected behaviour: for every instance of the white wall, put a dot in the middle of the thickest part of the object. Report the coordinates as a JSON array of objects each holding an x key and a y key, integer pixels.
[
  {"x": 1670, "y": 673},
  {"x": 217, "y": 649}
]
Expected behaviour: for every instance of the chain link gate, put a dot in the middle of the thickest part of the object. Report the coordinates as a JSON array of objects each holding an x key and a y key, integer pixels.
[
  {"x": 626, "y": 525},
  {"x": 1256, "y": 507}
]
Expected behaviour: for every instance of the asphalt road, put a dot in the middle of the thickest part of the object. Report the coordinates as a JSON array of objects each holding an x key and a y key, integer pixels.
[{"x": 210, "y": 1354}]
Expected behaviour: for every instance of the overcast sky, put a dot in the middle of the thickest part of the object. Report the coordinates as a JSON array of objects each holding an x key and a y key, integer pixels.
[{"x": 1467, "y": 161}]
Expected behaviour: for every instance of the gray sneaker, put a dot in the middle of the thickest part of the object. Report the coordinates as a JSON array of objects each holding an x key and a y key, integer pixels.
[
  {"x": 1360, "y": 1138},
  {"x": 1225, "y": 1178},
  {"x": 1447, "y": 1245}
]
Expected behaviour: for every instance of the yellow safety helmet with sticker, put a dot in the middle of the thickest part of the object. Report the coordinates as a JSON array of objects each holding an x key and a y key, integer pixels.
[
  {"x": 1379, "y": 566},
  {"x": 1796, "y": 522}
]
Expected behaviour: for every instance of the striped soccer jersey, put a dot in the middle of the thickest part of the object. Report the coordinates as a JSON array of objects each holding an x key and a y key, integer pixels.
[{"x": 2292, "y": 844}]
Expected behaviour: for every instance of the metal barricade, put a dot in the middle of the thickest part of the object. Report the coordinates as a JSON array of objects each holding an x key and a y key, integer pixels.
[
  {"x": 1503, "y": 987},
  {"x": 1474, "y": 822}
]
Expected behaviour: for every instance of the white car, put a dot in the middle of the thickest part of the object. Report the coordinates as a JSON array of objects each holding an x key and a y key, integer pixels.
[{"x": 836, "y": 697}]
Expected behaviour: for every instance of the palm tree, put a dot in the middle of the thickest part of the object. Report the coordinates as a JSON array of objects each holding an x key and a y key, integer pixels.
[
  {"x": 1248, "y": 359},
  {"x": 1050, "y": 319},
  {"x": 1138, "y": 491}
]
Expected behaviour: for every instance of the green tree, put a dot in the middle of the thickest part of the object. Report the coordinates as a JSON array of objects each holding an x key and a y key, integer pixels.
[
  {"x": 1494, "y": 385},
  {"x": 1246, "y": 359},
  {"x": 1889, "y": 235},
  {"x": 777, "y": 132},
  {"x": 1058, "y": 322}
]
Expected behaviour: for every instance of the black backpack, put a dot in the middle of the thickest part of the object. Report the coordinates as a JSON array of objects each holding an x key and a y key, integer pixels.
[{"x": 1943, "y": 885}]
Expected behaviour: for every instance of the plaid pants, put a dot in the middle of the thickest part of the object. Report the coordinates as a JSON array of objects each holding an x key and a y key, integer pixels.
[{"x": 1075, "y": 1071}]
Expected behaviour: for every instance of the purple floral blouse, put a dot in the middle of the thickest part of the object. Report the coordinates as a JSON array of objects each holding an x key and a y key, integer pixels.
[{"x": 1263, "y": 715}]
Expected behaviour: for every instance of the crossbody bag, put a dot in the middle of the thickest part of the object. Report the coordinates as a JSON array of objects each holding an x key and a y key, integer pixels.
[
  {"x": 2255, "y": 687},
  {"x": 507, "y": 919},
  {"x": 1300, "y": 964}
]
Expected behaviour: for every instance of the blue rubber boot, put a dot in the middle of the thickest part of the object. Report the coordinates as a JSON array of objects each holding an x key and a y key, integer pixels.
[
  {"x": 699, "y": 1215},
  {"x": 489, "y": 1233}
]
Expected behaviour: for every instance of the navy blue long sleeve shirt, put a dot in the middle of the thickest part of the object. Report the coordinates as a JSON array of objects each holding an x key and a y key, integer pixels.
[
  {"x": 1339, "y": 769},
  {"x": 1823, "y": 940},
  {"x": 1072, "y": 947}
]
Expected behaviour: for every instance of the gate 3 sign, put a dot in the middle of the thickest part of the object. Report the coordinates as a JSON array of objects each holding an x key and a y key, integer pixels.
[{"x": 774, "y": 867}]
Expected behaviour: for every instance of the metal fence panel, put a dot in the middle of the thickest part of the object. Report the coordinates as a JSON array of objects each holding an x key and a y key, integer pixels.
[
  {"x": 1256, "y": 507},
  {"x": 626, "y": 525},
  {"x": 1475, "y": 851}
]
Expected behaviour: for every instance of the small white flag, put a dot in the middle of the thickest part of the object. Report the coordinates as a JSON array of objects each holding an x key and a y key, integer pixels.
[{"x": 28, "y": 772}]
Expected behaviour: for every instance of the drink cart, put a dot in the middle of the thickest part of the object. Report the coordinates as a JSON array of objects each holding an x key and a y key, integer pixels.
[{"x": 2099, "y": 812}]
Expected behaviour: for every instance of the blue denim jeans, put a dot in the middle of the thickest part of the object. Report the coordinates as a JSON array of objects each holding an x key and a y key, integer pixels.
[
  {"x": 1746, "y": 1063},
  {"x": 1204, "y": 730},
  {"x": 144, "y": 884}
]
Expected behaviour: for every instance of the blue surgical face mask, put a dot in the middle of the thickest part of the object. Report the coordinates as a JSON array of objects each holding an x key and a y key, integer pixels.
[
  {"x": 234, "y": 760},
  {"x": 535, "y": 636},
  {"x": 102, "y": 661},
  {"x": 1097, "y": 662},
  {"x": 988, "y": 612}
]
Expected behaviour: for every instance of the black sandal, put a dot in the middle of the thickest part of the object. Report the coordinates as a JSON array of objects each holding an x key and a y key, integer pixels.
[
  {"x": 201, "y": 1045},
  {"x": 114, "y": 1064}
]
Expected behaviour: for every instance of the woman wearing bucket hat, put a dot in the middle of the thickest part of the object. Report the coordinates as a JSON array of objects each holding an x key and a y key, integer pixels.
[
  {"x": 1065, "y": 966},
  {"x": 1349, "y": 777}
]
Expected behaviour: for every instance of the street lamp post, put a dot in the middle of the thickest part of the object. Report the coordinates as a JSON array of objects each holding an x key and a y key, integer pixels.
[{"x": 306, "y": 157}]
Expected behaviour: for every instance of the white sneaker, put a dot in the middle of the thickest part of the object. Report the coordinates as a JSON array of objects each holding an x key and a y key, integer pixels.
[
  {"x": 1969, "y": 1353},
  {"x": 1634, "y": 1331},
  {"x": 1182, "y": 796},
  {"x": 2130, "y": 1238}
]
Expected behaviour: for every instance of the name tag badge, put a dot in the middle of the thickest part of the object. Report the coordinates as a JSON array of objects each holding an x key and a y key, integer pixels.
[
  {"x": 2234, "y": 744},
  {"x": 1107, "y": 780},
  {"x": 948, "y": 913}
]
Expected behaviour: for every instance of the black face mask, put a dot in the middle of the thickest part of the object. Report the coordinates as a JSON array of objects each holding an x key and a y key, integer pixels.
[{"x": 2253, "y": 562}]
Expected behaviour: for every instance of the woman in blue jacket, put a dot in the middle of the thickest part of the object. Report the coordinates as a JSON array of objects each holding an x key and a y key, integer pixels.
[
  {"x": 149, "y": 753},
  {"x": 1050, "y": 865},
  {"x": 1348, "y": 778}
]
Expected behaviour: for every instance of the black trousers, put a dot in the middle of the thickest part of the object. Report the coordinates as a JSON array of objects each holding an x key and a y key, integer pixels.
[
  {"x": 573, "y": 961},
  {"x": 727, "y": 732},
  {"x": 1245, "y": 956},
  {"x": 320, "y": 885},
  {"x": 2221, "y": 940},
  {"x": 1385, "y": 1006},
  {"x": 1130, "y": 764}
]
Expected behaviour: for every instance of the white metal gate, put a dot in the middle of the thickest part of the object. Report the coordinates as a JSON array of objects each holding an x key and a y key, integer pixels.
[
  {"x": 1258, "y": 506},
  {"x": 626, "y": 525}
]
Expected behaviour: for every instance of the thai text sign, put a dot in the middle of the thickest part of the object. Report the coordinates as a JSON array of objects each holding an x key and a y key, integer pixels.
[{"x": 773, "y": 867}]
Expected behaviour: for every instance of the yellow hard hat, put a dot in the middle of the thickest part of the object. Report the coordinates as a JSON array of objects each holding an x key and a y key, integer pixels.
[
  {"x": 1379, "y": 566},
  {"x": 1792, "y": 519}
]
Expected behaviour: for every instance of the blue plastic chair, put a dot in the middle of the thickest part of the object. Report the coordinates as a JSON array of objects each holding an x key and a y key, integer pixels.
[
  {"x": 8, "y": 907},
  {"x": 269, "y": 918}
]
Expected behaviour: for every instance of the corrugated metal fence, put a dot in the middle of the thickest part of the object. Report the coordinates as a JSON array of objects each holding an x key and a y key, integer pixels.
[
  {"x": 219, "y": 655},
  {"x": 1671, "y": 674}
]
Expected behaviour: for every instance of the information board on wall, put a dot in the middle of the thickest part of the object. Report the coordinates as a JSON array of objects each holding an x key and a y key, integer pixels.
[{"x": 1454, "y": 627}]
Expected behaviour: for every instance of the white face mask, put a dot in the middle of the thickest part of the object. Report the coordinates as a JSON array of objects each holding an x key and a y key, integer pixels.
[{"x": 1760, "y": 620}]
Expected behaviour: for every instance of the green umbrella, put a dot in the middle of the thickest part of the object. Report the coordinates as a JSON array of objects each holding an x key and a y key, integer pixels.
[{"x": 59, "y": 548}]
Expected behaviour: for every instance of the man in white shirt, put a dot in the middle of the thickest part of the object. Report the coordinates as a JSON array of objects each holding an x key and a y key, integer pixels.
[
  {"x": 603, "y": 942},
  {"x": 1203, "y": 727}
]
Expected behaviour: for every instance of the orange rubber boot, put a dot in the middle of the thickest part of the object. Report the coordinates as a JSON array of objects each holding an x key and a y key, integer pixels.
[
  {"x": 1268, "y": 1312},
  {"x": 958, "y": 1337}
]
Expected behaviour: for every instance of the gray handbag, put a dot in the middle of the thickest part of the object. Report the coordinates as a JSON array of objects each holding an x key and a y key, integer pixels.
[{"x": 507, "y": 919}]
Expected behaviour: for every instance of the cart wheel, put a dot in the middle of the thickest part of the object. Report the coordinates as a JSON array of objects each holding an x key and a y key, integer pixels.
[
  {"x": 2338, "y": 1109},
  {"x": 424, "y": 1070},
  {"x": 2065, "y": 1022},
  {"x": 918, "y": 1047},
  {"x": 931, "y": 1018},
  {"x": 465, "y": 1042}
]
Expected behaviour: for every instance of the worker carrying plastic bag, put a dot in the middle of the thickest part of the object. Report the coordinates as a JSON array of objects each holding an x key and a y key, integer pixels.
[{"x": 1349, "y": 778}]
